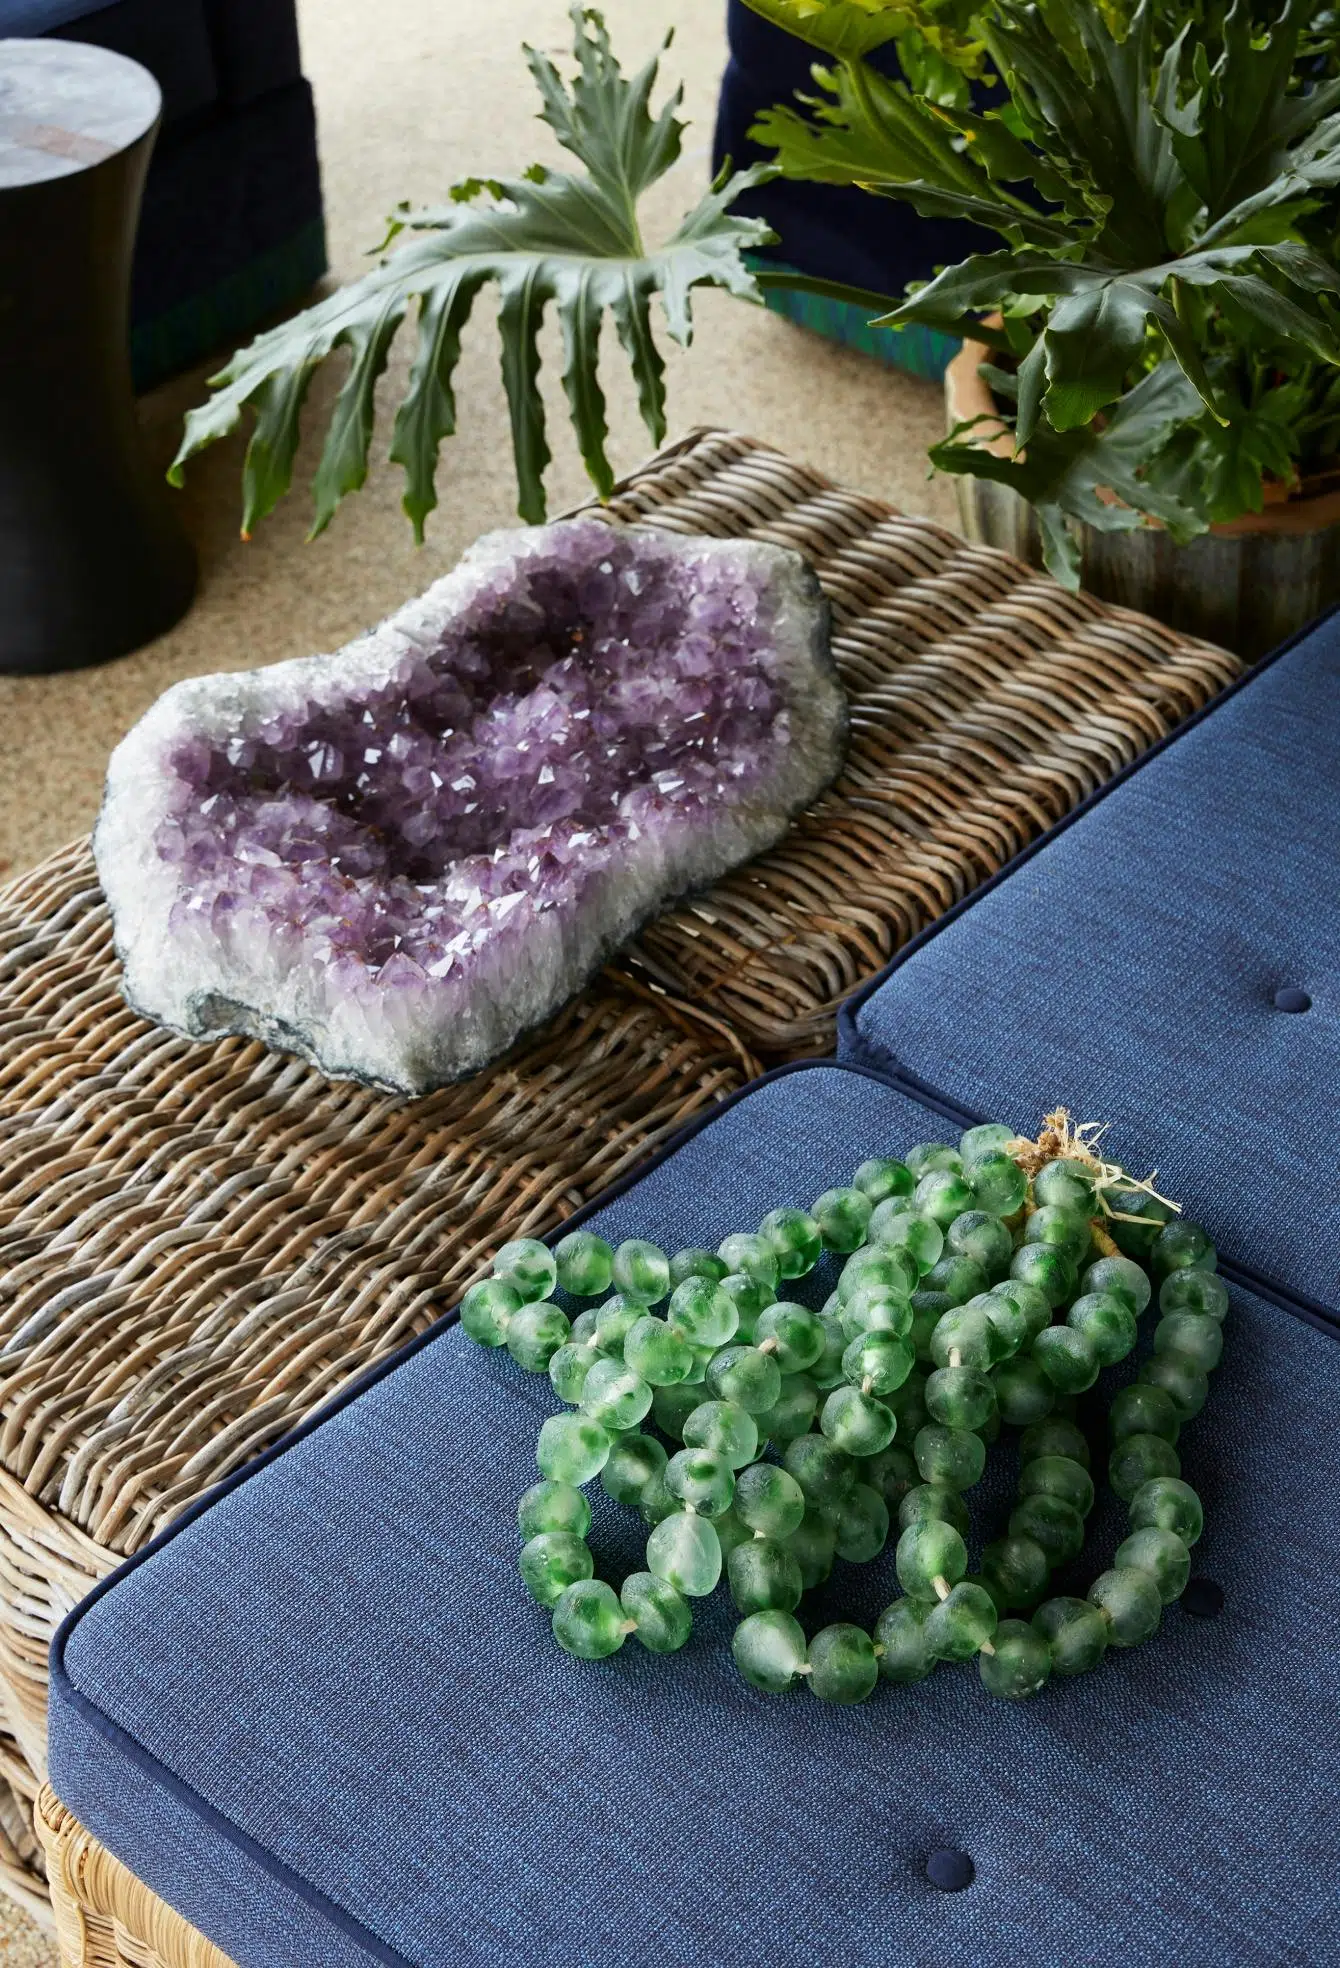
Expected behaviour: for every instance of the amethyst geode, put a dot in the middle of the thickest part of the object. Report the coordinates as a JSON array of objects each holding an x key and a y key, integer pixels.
[{"x": 394, "y": 859}]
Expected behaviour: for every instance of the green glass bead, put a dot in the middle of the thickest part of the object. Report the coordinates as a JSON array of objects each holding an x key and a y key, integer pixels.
[
  {"x": 1075, "y": 1632},
  {"x": 999, "y": 1185},
  {"x": 886, "y": 1270},
  {"x": 967, "y": 1332},
  {"x": 793, "y": 1411},
  {"x": 960, "y": 1397},
  {"x": 641, "y": 1271},
  {"x": 657, "y": 1353},
  {"x": 957, "y": 1626},
  {"x": 769, "y": 1650},
  {"x": 745, "y": 1375},
  {"x": 703, "y": 1481},
  {"x": 764, "y": 1577},
  {"x": 1130, "y": 1603},
  {"x": 794, "y": 1238},
  {"x": 823, "y": 1472},
  {"x": 1024, "y": 1395},
  {"x": 827, "y": 1369},
  {"x": 843, "y": 1665},
  {"x": 862, "y": 1525},
  {"x": 893, "y": 1472},
  {"x": 843, "y": 1217},
  {"x": 983, "y": 1238},
  {"x": 534, "y": 1334},
  {"x": 1182, "y": 1246},
  {"x": 900, "y": 1642},
  {"x": 731, "y": 1533},
  {"x": 1055, "y": 1525},
  {"x": 792, "y": 1334},
  {"x": 703, "y": 1357},
  {"x": 1054, "y": 1437},
  {"x": 895, "y": 1225},
  {"x": 553, "y": 1507},
  {"x": 1142, "y": 1410},
  {"x": 814, "y": 1547},
  {"x": 959, "y": 1278},
  {"x": 881, "y": 1178},
  {"x": 1138, "y": 1458},
  {"x": 1165, "y": 1503},
  {"x": 928, "y": 1306},
  {"x": 589, "y": 1621},
  {"x": 656, "y": 1502},
  {"x": 586, "y": 1327},
  {"x": 1062, "y": 1230},
  {"x": 878, "y": 1362},
  {"x": 1015, "y": 1570},
  {"x": 1027, "y": 1299},
  {"x": 1058, "y": 1476},
  {"x": 953, "y": 1456},
  {"x": 1047, "y": 1268},
  {"x": 988, "y": 1139},
  {"x": 615, "y": 1396},
  {"x": 725, "y": 1429},
  {"x": 633, "y": 1461},
  {"x": 568, "y": 1369},
  {"x": 908, "y": 1403},
  {"x": 672, "y": 1406},
  {"x": 702, "y": 1312},
  {"x": 1122, "y": 1278},
  {"x": 1065, "y": 1184},
  {"x": 1196, "y": 1291},
  {"x": 1067, "y": 1358},
  {"x": 528, "y": 1266},
  {"x": 942, "y": 1194},
  {"x": 856, "y": 1423},
  {"x": 584, "y": 1264},
  {"x": 1161, "y": 1554},
  {"x": 936, "y": 1500},
  {"x": 750, "y": 1299},
  {"x": 1136, "y": 1220},
  {"x": 868, "y": 1313},
  {"x": 685, "y": 1550},
  {"x": 694, "y": 1262},
  {"x": 1011, "y": 1328},
  {"x": 1181, "y": 1380},
  {"x": 769, "y": 1500},
  {"x": 753, "y": 1255},
  {"x": 615, "y": 1319},
  {"x": 1019, "y": 1665},
  {"x": 572, "y": 1449},
  {"x": 551, "y": 1562},
  {"x": 487, "y": 1310},
  {"x": 1192, "y": 1338},
  {"x": 927, "y": 1551},
  {"x": 661, "y": 1617},
  {"x": 926, "y": 1155},
  {"x": 1106, "y": 1322}
]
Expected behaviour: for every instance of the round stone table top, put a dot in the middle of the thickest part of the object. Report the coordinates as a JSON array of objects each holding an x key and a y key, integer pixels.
[{"x": 65, "y": 106}]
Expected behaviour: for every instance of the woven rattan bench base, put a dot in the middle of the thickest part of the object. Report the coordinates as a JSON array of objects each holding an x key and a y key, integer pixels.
[
  {"x": 104, "y": 1916},
  {"x": 200, "y": 1243}
]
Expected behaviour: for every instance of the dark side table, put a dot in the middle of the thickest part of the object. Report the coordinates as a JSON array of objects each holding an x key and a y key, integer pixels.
[{"x": 93, "y": 560}]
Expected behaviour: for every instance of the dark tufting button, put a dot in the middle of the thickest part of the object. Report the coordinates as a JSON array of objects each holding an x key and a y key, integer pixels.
[
  {"x": 950, "y": 1871},
  {"x": 1203, "y": 1599},
  {"x": 1290, "y": 998}
]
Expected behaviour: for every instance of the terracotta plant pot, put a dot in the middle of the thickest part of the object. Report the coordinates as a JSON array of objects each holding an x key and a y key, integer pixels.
[{"x": 1246, "y": 585}]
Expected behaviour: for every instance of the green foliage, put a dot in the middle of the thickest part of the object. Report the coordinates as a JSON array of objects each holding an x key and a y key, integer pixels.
[{"x": 570, "y": 240}]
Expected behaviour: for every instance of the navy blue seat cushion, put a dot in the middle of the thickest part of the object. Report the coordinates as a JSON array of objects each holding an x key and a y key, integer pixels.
[
  {"x": 322, "y": 1719},
  {"x": 23, "y": 17},
  {"x": 1139, "y": 964}
]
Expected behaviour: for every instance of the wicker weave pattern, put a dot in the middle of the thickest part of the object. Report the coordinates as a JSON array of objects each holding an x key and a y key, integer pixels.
[
  {"x": 198, "y": 1244},
  {"x": 104, "y": 1916}
]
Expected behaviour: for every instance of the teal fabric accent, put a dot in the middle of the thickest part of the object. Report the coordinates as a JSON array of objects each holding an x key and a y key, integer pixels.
[
  {"x": 212, "y": 322},
  {"x": 918, "y": 350}
]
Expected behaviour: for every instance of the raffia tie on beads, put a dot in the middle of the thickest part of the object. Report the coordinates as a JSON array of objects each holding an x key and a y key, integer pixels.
[{"x": 1063, "y": 1140}]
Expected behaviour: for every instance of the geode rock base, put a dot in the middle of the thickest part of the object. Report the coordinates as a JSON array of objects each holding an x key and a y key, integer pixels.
[{"x": 394, "y": 859}]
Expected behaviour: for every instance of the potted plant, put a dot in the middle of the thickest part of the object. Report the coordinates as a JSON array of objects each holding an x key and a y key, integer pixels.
[{"x": 1159, "y": 407}]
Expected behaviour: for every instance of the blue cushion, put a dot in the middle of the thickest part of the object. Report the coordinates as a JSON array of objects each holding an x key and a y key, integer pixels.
[
  {"x": 321, "y": 1718},
  {"x": 1136, "y": 963},
  {"x": 22, "y": 17}
]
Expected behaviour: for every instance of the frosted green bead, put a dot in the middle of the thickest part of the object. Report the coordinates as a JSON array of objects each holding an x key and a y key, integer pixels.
[
  {"x": 1183, "y": 1383},
  {"x": 880, "y": 1178},
  {"x": 877, "y": 1271},
  {"x": 957, "y": 1626},
  {"x": 641, "y": 1271},
  {"x": 869, "y": 1310},
  {"x": 731, "y": 1533},
  {"x": 657, "y": 1353},
  {"x": 589, "y": 1621},
  {"x": 1192, "y": 1338},
  {"x": 827, "y": 1369},
  {"x": 1137, "y": 1458},
  {"x": 1065, "y": 1184},
  {"x": 703, "y": 1357},
  {"x": 900, "y": 1642},
  {"x": 1108, "y": 1324},
  {"x": 856, "y": 1423},
  {"x": 750, "y": 1299},
  {"x": 942, "y": 1194},
  {"x": 878, "y": 1362},
  {"x": 823, "y": 1472},
  {"x": 615, "y": 1396},
  {"x": 726, "y": 1429},
  {"x": 568, "y": 1369},
  {"x": 893, "y": 1472},
  {"x": 693, "y": 1262},
  {"x": 928, "y": 1551},
  {"x": 814, "y": 1547},
  {"x": 1182, "y": 1246},
  {"x": 528, "y": 1266},
  {"x": 862, "y": 1525},
  {"x": 1054, "y": 1524},
  {"x": 656, "y": 1502},
  {"x": 1161, "y": 1554},
  {"x": 1054, "y": 1437},
  {"x": 1075, "y": 1632},
  {"x": 1135, "y": 1238},
  {"x": 553, "y": 1507},
  {"x": 586, "y": 1327},
  {"x": 1129, "y": 1600},
  {"x": 923, "y": 1156},
  {"x": 1019, "y": 1665},
  {"x": 1028, "y": 1300},
  {"x": 769, "y": 1650},
  {"x": 633, "y": 1461},
  {"x": 1058, "y": 1476},
  {"x": 686, "y": 1550},
  {"x": 662, "y": 1620},
  {"x": 753, "y": 1255},
  {"x": 1165, "y": 1503},
  {"x": 794, "y": 1238},
  {"x": 1067, "y": 1358},
  {"x": 843, "y": 1217},
  {"x": 960, "y": 1397},
  {"x": 702, "y": 1312},
  {"x": 1050, "y": 1270},
  {"x": 584, "y": 1264},
  {"x": 959, "y": 1278},
  {"x": 1194, "y": 1291},
  {"x": 672, "y": 1406},
  {"x": 1015, "y": 1570},
  {"x": 983, "y": 1238},
  {"x": 704, "y": 1481},
  {"x": 928, "y": 1308},
  {"x": 1024, "y": 1394},
  {"x": 793, "y": 1411},
  {"x": 792, "y": 1334},
  {"x": 953, "y": 1456},
  {"x": 764, "y": 1577},
  {"x": 908, "y": 1403},
  {"x": 1122, "y": 1278},
  {"x": 551, "y": 1562},
  {"x": 487, "y": 1310},
  {"x": 572, "y": 1449},
  {"x": 988, "y": 1139},
  {"x": 744, "y": 1375},
  {"x": 897, "y": 1226},
  {"x": 769, "y": 1500},
  {"x": 843, "y": 1666},
  {"x": 1013, "y": 1331},
  {"x": 936, "y": 1500},
  {"x": 999, "y": 1185},
  {"x": 615, "y": 1319},
  {"x": 1143, "y": 1410},
  {"x": 966, "y": 1332}
]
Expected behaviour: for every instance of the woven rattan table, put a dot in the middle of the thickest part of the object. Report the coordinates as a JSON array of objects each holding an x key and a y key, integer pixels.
[{"x": 200, "y": 1243}]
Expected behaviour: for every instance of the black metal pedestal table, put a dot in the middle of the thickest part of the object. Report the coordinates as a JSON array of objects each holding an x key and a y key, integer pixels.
[{"x": 93, "y": 559}]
